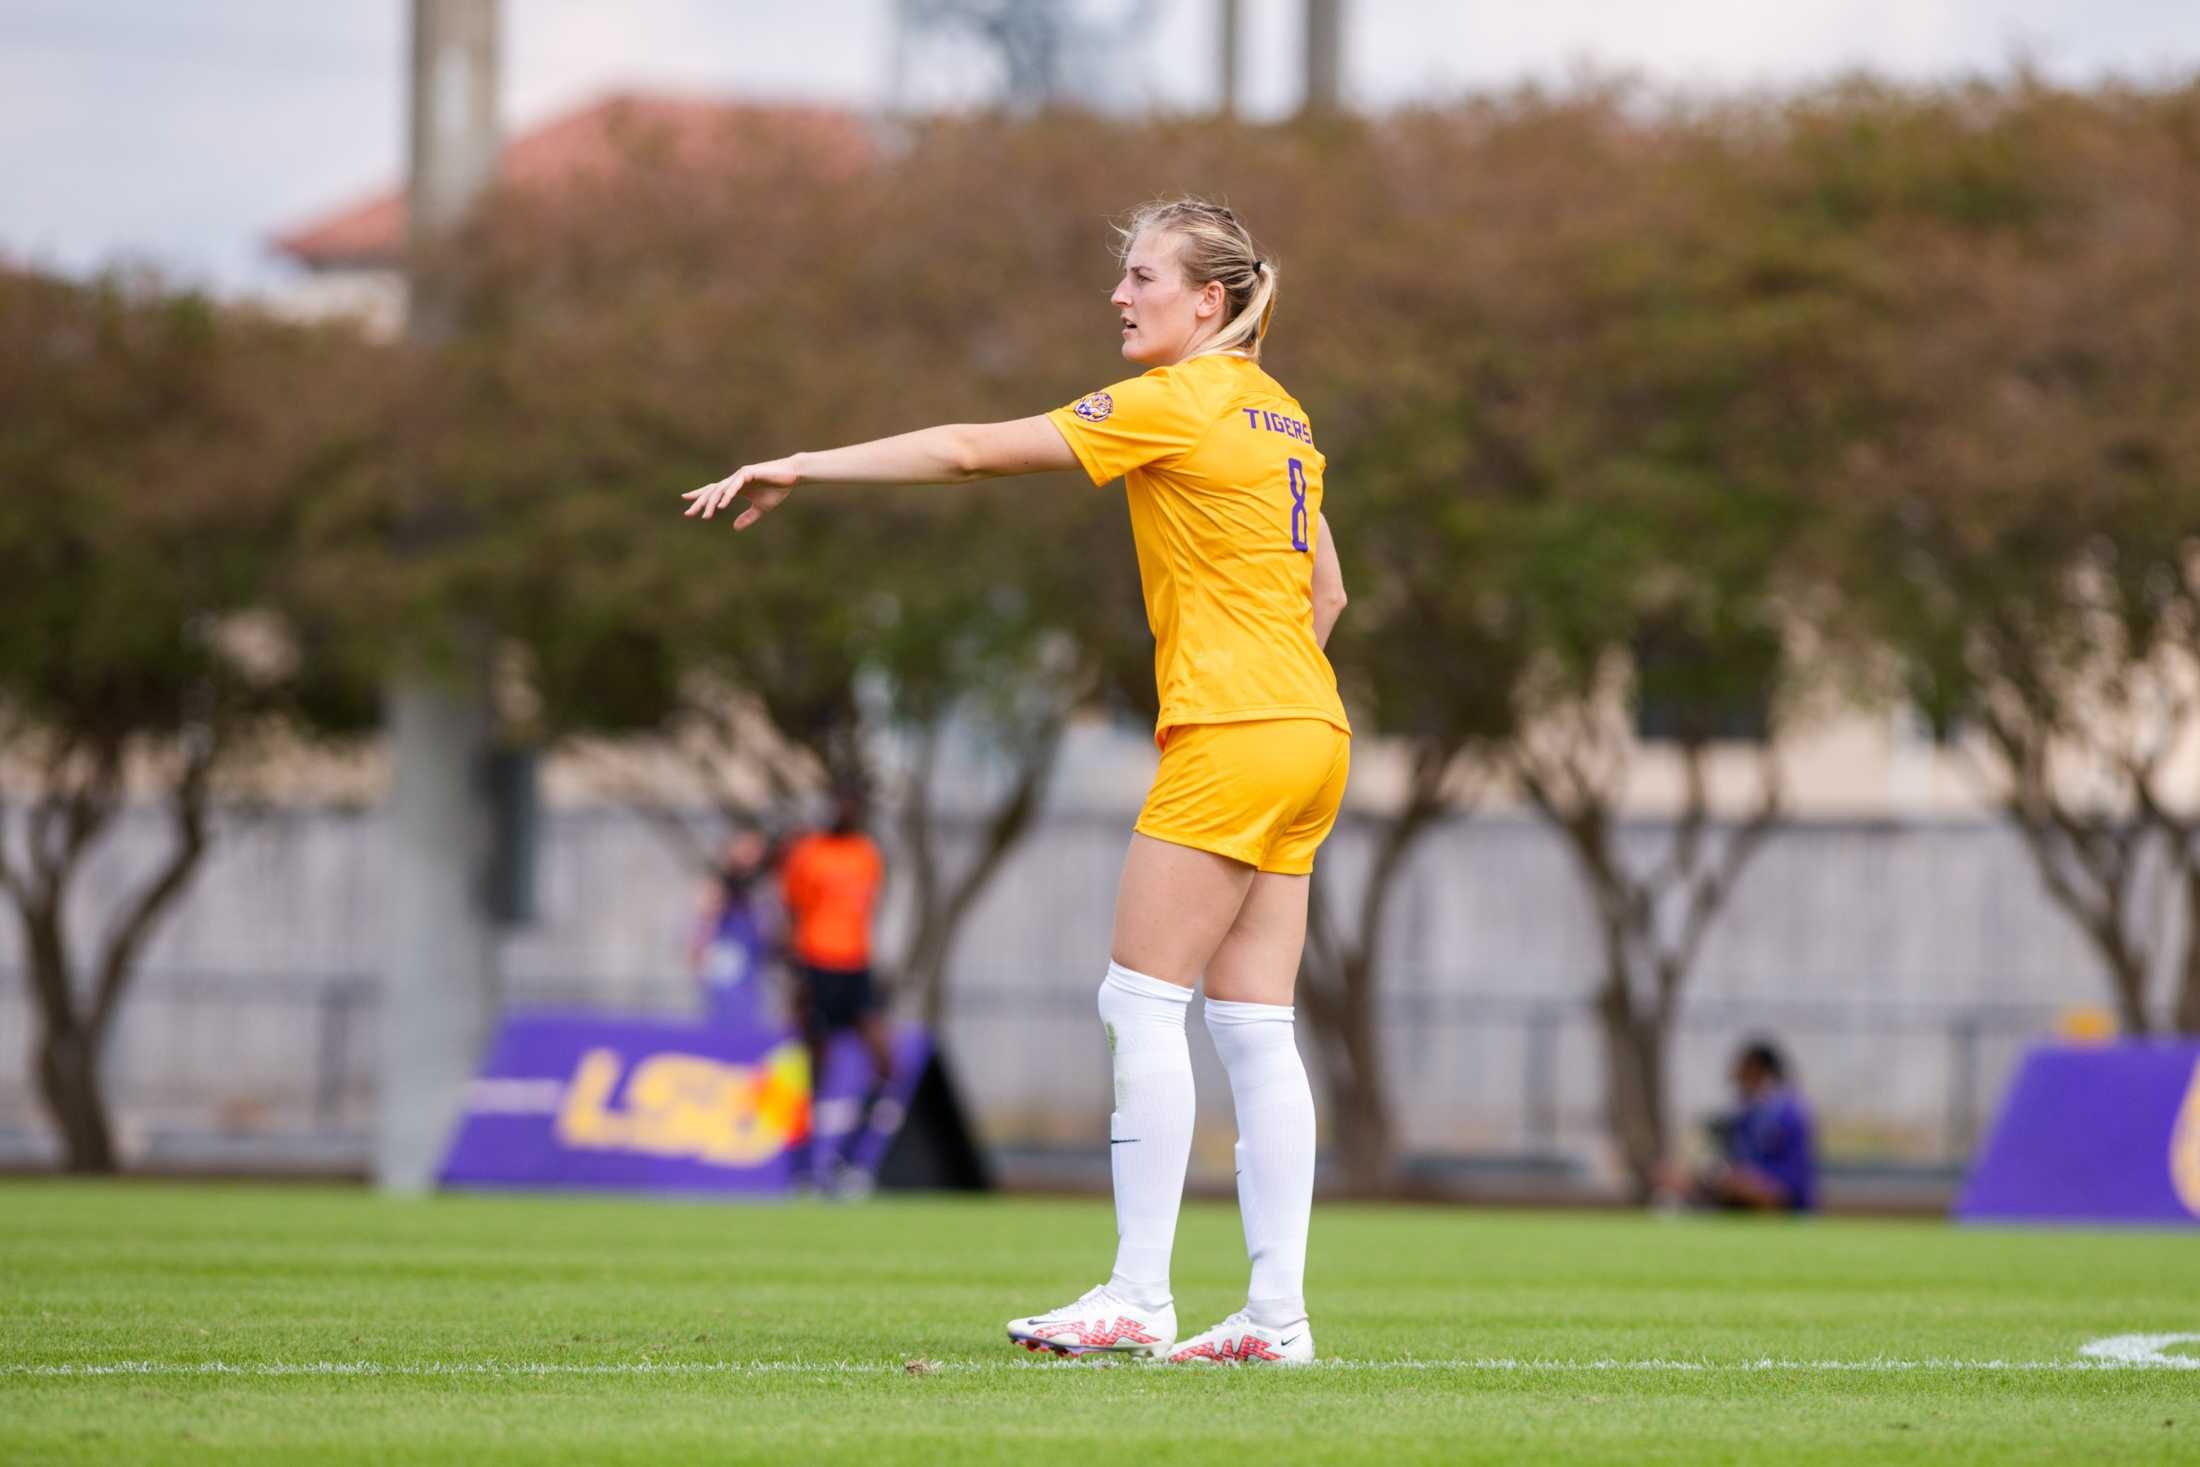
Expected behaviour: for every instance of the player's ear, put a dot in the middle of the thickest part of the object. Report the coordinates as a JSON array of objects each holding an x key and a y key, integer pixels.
[{"x": 1212, "y": 298}]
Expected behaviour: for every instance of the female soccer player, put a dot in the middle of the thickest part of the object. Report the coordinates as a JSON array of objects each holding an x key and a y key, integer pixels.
[{"x": 1242, "y": 587}]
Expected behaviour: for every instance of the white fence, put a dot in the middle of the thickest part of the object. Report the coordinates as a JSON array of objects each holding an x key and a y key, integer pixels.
[{"x": 1905, "y": 967}]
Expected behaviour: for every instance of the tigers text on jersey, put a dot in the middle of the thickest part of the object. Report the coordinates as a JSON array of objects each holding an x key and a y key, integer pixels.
[{"x": 1225, "y": 488}]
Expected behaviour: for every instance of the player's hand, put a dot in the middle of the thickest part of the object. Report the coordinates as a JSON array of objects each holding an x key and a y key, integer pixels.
[{"x": 763, "y": 487}]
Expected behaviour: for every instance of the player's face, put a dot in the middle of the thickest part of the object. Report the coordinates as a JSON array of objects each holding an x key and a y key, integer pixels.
[
  {"x": 1162, "y": 316},
  {"x": 744, "y": 855}
]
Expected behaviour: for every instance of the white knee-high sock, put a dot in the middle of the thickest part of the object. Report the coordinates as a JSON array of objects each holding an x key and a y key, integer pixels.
[
  {"x": 1150, "y": 1133},
  {"x": 1275, "y": 1150}
]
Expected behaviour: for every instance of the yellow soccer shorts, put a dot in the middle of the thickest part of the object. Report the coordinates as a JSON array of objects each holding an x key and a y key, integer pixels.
[{"x": 1263, "y": 793}]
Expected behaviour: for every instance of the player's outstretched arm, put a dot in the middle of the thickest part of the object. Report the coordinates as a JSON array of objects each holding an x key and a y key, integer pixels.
[
  {"x": 950, "y": 454},
  {"x": 1329, "y": 597}
]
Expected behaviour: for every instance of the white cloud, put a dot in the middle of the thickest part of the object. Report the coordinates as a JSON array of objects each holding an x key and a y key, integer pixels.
[{"x": 186, "y": 133}]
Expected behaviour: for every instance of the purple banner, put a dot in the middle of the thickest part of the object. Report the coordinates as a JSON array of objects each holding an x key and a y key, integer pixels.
[
  {"x": 590, "y": 1101},
  {"x": 2105, "y": 1134}
]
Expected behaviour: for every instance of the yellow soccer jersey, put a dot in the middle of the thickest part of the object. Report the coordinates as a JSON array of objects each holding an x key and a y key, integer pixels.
[{"x": 1225, "y": 485}]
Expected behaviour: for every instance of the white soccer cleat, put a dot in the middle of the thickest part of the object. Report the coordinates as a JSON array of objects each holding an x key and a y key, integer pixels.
[
  {"x": 1239, "y": 1341},
  {"x": 1100, "y": 1323}
]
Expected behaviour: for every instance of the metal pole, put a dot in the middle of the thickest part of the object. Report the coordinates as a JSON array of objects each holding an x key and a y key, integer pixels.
[
  {"x": 1963, "y": 1043},
  {"x": 1229, "y": 25},
  {"x": 1539, "y": 1078},
  {"x": 897, "y": 81},
  {"x": 439, "y": 993},
  {"x": 1324, "y": 64},
  {"x": 328, "y": 1089}
]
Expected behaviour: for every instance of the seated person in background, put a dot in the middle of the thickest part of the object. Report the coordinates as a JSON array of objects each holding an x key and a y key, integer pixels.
[{"x": 1767, "y": 1160}]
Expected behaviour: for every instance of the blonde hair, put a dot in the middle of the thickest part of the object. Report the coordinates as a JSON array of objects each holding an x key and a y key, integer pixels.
[{"x": 1213, "y": 246}]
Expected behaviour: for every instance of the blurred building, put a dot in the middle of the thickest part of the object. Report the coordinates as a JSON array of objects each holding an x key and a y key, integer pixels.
[{"x": 352, "y": 257}]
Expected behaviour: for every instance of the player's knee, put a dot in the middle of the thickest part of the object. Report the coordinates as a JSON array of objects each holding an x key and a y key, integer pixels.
[
  {"x": 1131, "y": 1002},
  {"x": 1250, "y": 1028}
]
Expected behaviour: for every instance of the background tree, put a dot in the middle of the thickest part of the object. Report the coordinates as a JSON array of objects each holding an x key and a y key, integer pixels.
[
  {"x": 1449, "y": 708},
  {"x": 157, "y": 451},
  {"x": 1662, "y": 379},
  {"x": 2021, "y": 525}
]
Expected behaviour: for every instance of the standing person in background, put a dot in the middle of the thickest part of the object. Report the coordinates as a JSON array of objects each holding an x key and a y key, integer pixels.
[
  {"x": 829, "y": 881},
  {"x": 732, "y": 943}
]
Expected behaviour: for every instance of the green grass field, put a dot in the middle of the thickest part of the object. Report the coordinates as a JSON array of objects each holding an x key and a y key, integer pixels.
[{"x": 168, "y": 1323}]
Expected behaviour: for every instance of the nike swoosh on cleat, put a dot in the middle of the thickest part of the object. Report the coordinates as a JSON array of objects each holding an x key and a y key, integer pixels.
[
  {"x": 1125, "y": 1141},
  {"x": 1281, "y": 1343}
]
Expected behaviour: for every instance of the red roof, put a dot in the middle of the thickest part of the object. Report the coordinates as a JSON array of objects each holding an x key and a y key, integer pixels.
[{"x": 599, "y": 137}]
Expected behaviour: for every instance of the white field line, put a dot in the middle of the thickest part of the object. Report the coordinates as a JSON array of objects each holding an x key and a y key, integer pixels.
[
  {"x": 519, "y": 1369},
  {"x": 2142, "y": 1350}
]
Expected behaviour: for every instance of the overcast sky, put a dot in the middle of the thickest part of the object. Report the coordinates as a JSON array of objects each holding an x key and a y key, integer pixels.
[{"x": 183, "y": 132}]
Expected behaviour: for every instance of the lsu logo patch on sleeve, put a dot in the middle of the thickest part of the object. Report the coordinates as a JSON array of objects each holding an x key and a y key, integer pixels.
[{"x": 1095, "y": 408}]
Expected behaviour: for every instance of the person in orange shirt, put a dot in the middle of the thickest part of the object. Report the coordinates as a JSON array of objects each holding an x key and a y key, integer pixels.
[
  {"x": 1240, "y": 575},
  {"x": 829, "y": 883}
]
